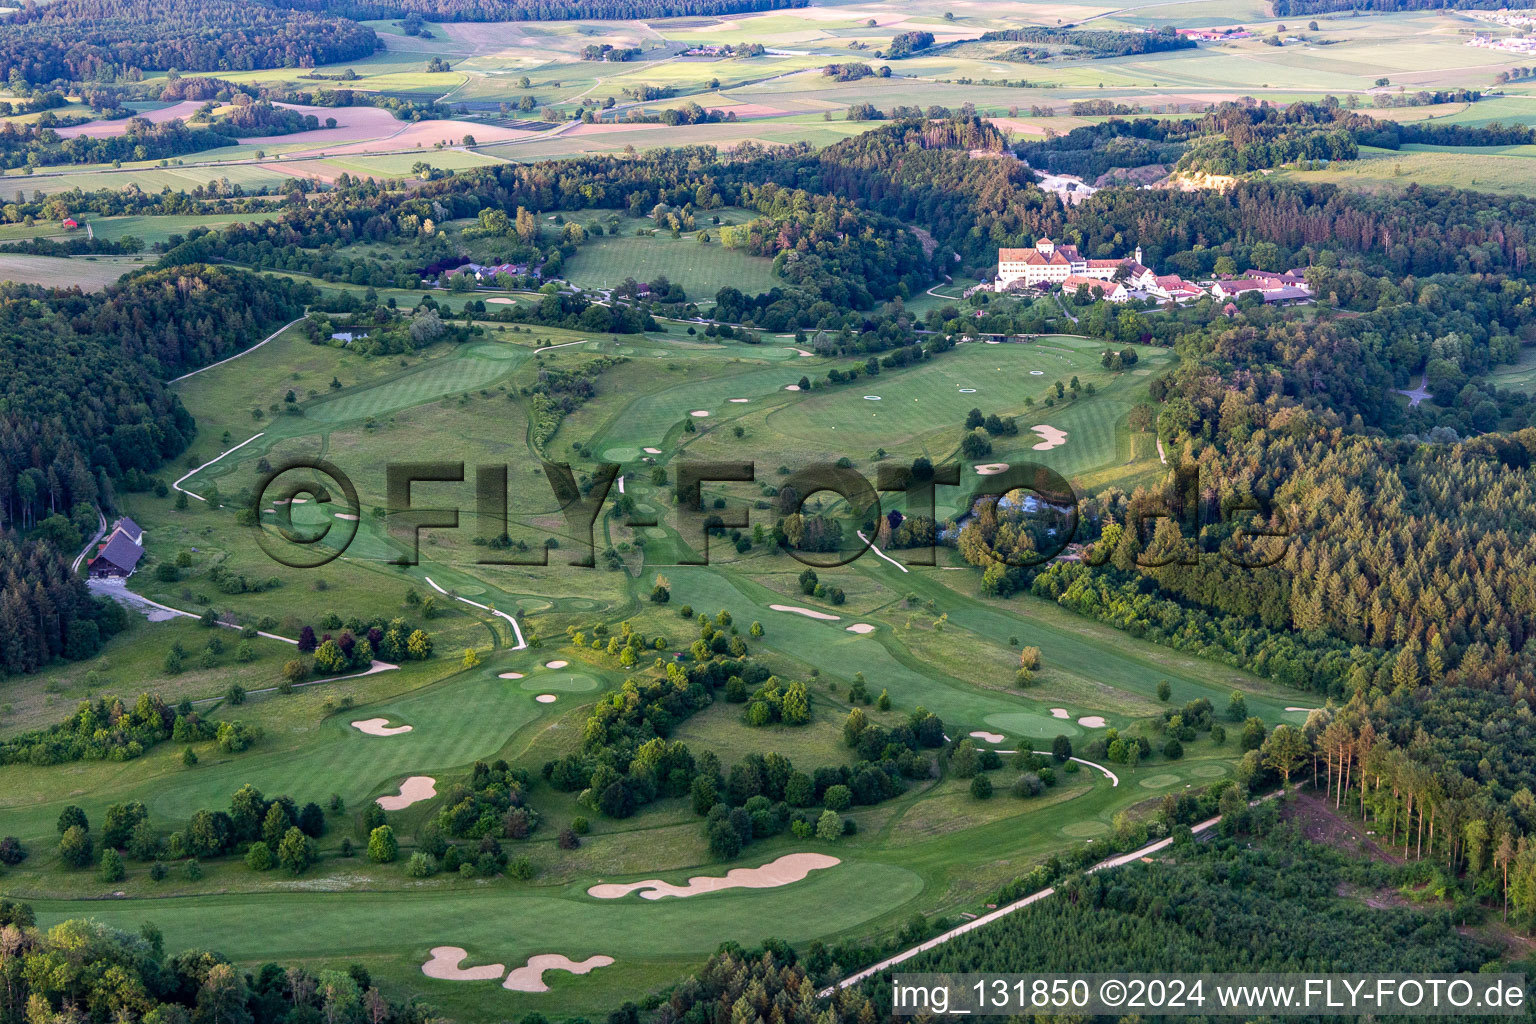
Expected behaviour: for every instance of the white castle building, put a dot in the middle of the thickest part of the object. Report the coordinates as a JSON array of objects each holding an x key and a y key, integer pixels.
[{"x": 1049, "y": 263}]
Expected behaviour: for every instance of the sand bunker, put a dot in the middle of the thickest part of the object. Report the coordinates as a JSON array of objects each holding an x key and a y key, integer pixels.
[
  {"x": 1301, "y": 709},
  {"x": 861, "y": 628},
  {"x": 1092, "y": 722},
  {"x": 379, "y": 727},
  {"x": 545, "y": 698},
  {"x": 445, "y": 962},
  {"x": 699, "y": 412},
  {"x": 348, "y": 516},
  {"x": 992, "y": 468},
  {"x": 792, "y": 867},
  {"x": 501, "y": 301},
  {"x": 990, "y": 737},
  {"x": 1059, "y": 713},
  {"x": 531, "y": 977},
  {"x": 651, "y": 451},
  {"x": 791, "y": 387},
  {"x": 802, "y": 352},
  {"x": 738, "y": 401},
  {"x": 510, "y": 675},
  {"x": 412, "y": 791},
  {"x": 807, "y": 612},
  {"x": 556, "y": 664},
  {"x": 1050, "y": 437}
]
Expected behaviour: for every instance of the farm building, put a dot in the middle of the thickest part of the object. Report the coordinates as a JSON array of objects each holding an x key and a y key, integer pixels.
[
  {"x": 118, "y": 557},
  {"x": 134, "y": 531}
]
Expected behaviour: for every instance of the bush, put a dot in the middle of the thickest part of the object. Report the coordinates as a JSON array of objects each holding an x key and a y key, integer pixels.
[
  {"x": 580, "y": 825},
  {"x": 11, "y": 851},
  {"x": 1027, "y": 785},
  {"x": 1173, "y": 749},
  {"x": 981, "y": 788},
  {"x": 158, "y": 871},
  {"x": 421, "y": 865},
  {"x": 383, "y": 847},
  {"x": 520, "y": 868},
  {"x": 111, "y": 869},
  {"x": 259, "y": 857},
  {"x": 829, "y": 826},
  {"x": 75, "y": 847},
  {"x": 837, "y": 798}
]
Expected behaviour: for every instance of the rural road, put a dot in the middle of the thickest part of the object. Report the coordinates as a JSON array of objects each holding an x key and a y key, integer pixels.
[{"x": 75, "y": 565}]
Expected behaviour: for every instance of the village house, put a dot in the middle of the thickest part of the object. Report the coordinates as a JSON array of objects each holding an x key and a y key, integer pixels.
[
  {"x": 485, "y": 273},
  {"x": 1110, "y": 291},
  {"x": 1270, "y": 286},
  {"x": 1173, "y": 288}
]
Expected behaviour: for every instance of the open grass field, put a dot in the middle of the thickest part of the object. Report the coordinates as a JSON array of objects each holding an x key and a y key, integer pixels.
[
  {"x": 1503, "y": 169},
  {"x": 702, "y": 269},
  {"x": 86, "y": 272}
]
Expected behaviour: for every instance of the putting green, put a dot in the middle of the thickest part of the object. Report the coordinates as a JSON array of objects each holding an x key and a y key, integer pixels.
[
  {"x": 621, "y": 453},
  {"x": 1035, "y": 726},
  {"x": 1085, "y": 829},
  {"x": 1162, "y": 781},
  {"x": 559, "y": 682},
  {"x": 1209, "y": 771}
]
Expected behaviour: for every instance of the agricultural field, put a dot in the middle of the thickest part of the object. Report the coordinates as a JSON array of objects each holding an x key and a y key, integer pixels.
[
  {"x": 782, "y": 97},
  {"x": 88, "y": 273}
]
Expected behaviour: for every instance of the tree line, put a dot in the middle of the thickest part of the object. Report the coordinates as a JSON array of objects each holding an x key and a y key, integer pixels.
[{"x": 86, "y": 40}]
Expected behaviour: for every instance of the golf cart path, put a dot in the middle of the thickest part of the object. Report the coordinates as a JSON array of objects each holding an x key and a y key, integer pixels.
[
  {"x": 216, "y": 458},
  {"x": 516, "y": 630},
  {"x": 1017, "y": 905},
  {"x": 237, "y": 355},
  {"x": 154, "y": 611}
]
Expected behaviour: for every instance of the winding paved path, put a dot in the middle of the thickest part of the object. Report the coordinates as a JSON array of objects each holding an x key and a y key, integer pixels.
[
  {"x": 516, "y": 630},
  {"x": 237, "y": 355},
  {"x": 1017, "y": 905}
]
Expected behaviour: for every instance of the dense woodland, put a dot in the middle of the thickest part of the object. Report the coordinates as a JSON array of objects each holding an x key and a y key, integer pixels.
[
  {"x": 85, "y": 404},
  {"x": 86, "y": 40},
  {"x": 1094, "y": 42},
  {"x": 536, "y": 10},
  {"x": 1301, "y": 8}
]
